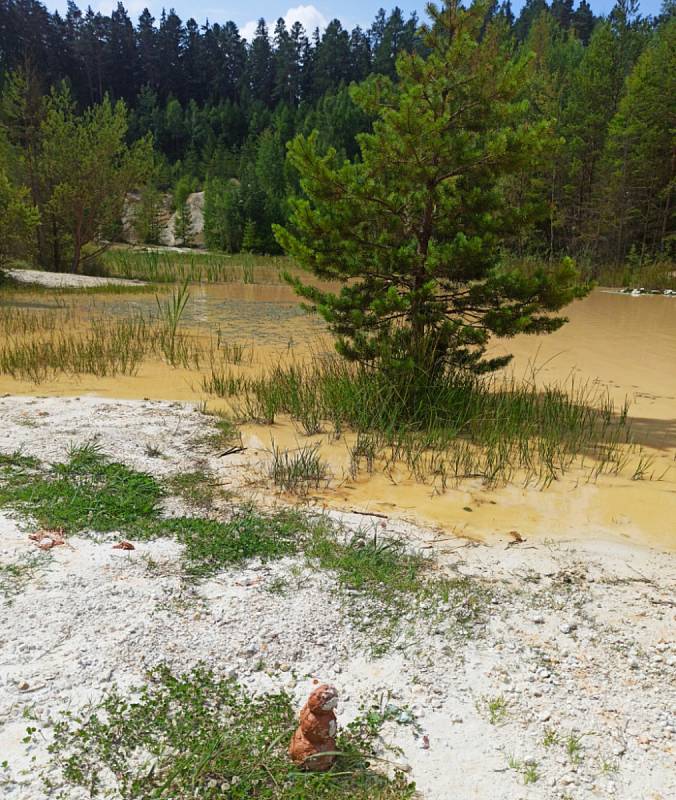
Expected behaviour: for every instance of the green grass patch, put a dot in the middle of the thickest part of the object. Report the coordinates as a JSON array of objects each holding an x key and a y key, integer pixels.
[
  {"x": 198, "y": 736},
  {"x": 211, "y": 546},
  {"x": 88, "y": 492},
  {"x": 197, "y": 487}
]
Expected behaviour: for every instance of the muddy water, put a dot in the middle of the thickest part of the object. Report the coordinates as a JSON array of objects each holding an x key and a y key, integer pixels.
[{"x": 616, "y": 343}]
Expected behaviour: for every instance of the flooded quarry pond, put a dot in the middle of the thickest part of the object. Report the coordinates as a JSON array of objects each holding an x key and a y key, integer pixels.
[{"x": 619, "y": 348}]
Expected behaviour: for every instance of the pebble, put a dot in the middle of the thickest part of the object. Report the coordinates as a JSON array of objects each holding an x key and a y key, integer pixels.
[{"x": 568, "y": 627}]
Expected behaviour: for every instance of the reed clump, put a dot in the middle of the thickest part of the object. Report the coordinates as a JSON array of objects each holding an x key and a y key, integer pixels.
[{"x": 461, "y": 426}]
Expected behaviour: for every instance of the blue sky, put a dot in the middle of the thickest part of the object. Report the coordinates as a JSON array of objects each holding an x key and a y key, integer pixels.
[{"x": 311, "y": 13}]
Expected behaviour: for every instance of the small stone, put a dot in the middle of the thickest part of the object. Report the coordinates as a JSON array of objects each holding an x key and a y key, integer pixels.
[{"x": 568, "y": 627}]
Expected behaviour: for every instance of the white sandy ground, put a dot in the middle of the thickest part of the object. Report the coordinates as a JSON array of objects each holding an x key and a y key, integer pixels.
[
  {"x": 580, "y": 637},
  {"x": 66, "y": 280}
]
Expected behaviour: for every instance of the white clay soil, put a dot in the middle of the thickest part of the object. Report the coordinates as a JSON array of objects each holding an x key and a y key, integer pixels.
[{"x": 578, "y": 640}]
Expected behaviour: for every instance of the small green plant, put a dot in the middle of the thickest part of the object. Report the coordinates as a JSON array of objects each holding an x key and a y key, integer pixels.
[
  {"x": 202, "y": 737},
  {"x": 171, "y": 312},
  {"x": 298, "y": 471},
  {"x": 574, "y": 747},
  {"x": 494, "y": 709},
  {"x": 550, "y": 738},
  {"x": 528, "y": 769},
  {"x": 197, "y": 487},
  {"x": 278, "y": 586}
]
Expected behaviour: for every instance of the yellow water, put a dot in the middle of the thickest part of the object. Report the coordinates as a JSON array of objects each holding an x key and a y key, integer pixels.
[{"x": 625, "y": 345}]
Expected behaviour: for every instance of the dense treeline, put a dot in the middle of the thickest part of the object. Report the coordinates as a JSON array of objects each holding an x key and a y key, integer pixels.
[{"x": 221, "y": 111}]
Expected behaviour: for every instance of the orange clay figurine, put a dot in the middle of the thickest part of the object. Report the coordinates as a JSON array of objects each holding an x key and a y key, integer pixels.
[{"x": 317, "y": 731}]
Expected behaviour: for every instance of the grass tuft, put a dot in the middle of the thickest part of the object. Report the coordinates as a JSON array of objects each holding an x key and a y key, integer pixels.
[{"x": 297, "y": 471}]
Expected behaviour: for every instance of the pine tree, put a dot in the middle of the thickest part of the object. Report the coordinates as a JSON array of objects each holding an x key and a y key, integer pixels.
[
  {"x": 183, "y": 224},
  {"x": 18, "y": 220},
  {"x": 148, "y": 215},
  {"x": 583, "y": 21},
  {"x": 259, "y": 68},
  {"x": 637, "y": 177},
  {"x": 88, "y": 168},
  {"x": 223, "y": 223},
  {"x": 413, "y": 228}
]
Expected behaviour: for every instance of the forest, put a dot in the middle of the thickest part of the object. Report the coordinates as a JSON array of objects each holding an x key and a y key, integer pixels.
[{"x": 94, "y": 106}]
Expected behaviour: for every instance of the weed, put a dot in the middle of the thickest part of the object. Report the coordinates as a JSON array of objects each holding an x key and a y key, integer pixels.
[
  {"x": 211, "y": 546},
  {"x": 550, "y": 738},
  {"x": 88, "y": 492},
  {"x": 225, "y": 435},
  {"x": 202, "y": 737},
  {"x": 169, "y": 267},
  {"x": 530, "y": 774},
  {"x": 297, "y": 471},
  {"x": 528, "y": 769},
  {"x": 106, "y": 348},
  {"x": 278, "y": 586},
  {"x": 574, "y": 747},
  {"x": 171, "y": 312},
  {"x": 222, "y": 382},
  {"x": 493, "y": 708}
]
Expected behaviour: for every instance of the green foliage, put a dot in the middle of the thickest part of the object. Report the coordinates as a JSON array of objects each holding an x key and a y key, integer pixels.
[
  {"x": 200, "y": 736},
  {"x": 635, "y": 196},
  {"x": 211, "y": 546},
  {"x": 223, "y": 222},
  {"x": 86, "y": 168},
  {"x": 86, "y": 493},
  {"x": 147, "y": 215},
  {"x": 18, "y": 221},
  {"x": 414, "y": 227}
]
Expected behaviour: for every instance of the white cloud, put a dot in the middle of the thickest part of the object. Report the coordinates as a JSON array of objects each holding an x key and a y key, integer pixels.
[{"x": 309, "y": 17}]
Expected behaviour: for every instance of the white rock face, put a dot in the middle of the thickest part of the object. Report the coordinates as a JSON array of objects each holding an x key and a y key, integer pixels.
[{"x": 195, "y": 203}]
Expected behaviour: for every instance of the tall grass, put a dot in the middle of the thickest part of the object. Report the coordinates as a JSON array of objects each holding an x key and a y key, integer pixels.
[
  {"x": 161, "y": 266},
  {"x": 38, "y": 345},
  {"x": 106, "y": 348},
  {"x": 463, "y": 426}
]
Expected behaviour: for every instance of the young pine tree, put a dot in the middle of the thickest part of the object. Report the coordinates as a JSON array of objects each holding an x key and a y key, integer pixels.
[
  {"x": 223, "y": 223},
  {"x": 183, "y": 226},
  {"x": 413, "y": 229},
  {"x": 148, "y": 215},
  {"x": 18, "y": 220}
]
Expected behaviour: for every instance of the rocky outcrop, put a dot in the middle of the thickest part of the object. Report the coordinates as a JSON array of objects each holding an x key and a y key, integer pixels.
[{"x": 195, "y": 203}]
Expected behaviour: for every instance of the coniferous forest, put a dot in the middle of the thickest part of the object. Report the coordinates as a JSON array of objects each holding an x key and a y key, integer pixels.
[{"x": 179, "y": 106}]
